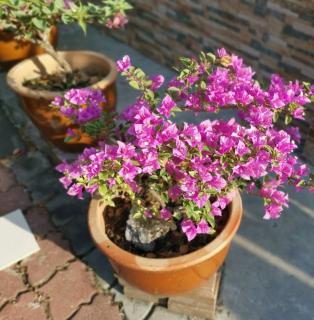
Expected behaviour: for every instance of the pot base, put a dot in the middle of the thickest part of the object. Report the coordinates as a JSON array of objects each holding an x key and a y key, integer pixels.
[{"x": 200, "y": 302}]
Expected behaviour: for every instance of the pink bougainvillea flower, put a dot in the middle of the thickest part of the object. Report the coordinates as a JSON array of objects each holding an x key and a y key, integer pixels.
[
  {"x": 272, "y": 211},
  {"x": 66, "y": 181},
  {"x": 222, "y": 52},
  {"x": 203, "y": 227},
  {"x": 167, "y": 104},
  {"x": 180, "y": 150},
  {"x": 174, "y": 192},
  {"x": 294, "y": 133},
  {"x": 201, "y": 200},
  {"x": 189, "y": 229},
  {"x": 129, "y": 171},
  {"x": 76, "y": 190},
  {"x": 124, "y": 64},
  {"x": 71, "y": 133},
  {"x": 111, "y": 182},
  {"x": 67, "y": 4},
  {"x": 125, "y": 150},
  {"x": 148, "y": 214},
  {"x": 157, "y": 82},
  {"x": 215, "y": 209},
  {"x": 118, "y": 21},
  {"x": 165, "y": 214},
  {"x": 298, "y": 113}
]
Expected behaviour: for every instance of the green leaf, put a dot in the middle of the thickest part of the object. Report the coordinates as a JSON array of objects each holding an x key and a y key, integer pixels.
[
  {"x": 103, "y": 190},
  {"x": 288, "y": 119},
  {"x": 137, "y": 215},
  {"x": 38, "y": 23},
  {"x": 192, "y": 173},
  {"x": 203, "y": 85},
  {"x": 276, "y": 116},
  {"x": 58, "y": 4},
  {"x": 83, "y": 25},
  {"x": 210, "y": 219},
  {"x": 149, "y": 94},
  {"x": 134, "y": 84},
  {"x": 67, "y": 139},
  {"x": 139, "y": 73},
  {"x": 173, "y": 89},
  {"x": 186, "y": 61},
  {"x": 211, "y": 56},
  {"x": 306, "y": 85}
]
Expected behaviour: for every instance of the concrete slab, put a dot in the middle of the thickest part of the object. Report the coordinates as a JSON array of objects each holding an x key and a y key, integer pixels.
[{"x": 269, "y": 273}]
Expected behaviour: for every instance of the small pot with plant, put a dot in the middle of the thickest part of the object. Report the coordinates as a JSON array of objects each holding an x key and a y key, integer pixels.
[
  {"x": 166, "y": 200},
  {"x": 40, "y": 79},
  {"x": 15, "y": 44}
]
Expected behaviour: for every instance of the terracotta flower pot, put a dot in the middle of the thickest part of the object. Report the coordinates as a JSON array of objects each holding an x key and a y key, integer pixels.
[
  {"x": 165, "y": 277},
  {"x": 12, "y": 51},
  {"x": 52, "y": 124}
]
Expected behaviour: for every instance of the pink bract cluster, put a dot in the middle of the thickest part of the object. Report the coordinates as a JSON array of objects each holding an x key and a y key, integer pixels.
[
  {"x": 80, "y": 105},
  {"x": 198, "y": 166}
]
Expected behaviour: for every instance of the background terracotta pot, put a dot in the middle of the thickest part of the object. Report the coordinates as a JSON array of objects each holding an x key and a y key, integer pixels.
[
  {"x": 52, "y": 124},
  {"x": 13, "y": 51},
  {"x": 165, "y": 277}
]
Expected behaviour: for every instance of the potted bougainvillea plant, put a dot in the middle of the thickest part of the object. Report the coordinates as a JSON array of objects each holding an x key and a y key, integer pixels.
[
  {"x": 14, "y": 43},
  {"x": 166, "y": 200},
  {"x": 39, "y": 79}
]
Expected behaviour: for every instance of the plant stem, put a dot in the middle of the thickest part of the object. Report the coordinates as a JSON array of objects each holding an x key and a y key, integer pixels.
[
  {"x": 157, "y": 197},
  {"x": 45, "y": 44}
]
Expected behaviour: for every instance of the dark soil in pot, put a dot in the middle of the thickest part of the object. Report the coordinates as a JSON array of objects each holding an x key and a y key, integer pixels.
[
  {"x": 174, "y": 244},
  {"x": 62, "y": 81}
]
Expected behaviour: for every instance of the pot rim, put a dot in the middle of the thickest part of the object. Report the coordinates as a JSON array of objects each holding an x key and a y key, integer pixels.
[
  {"x": 17, "y": 85},
  {"x": 136, "y": 262}
]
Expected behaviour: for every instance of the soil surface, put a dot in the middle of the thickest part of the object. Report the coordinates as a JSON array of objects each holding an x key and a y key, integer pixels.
[
  {"x": 173, "y": 244},
  {"x": 62, "y": 81}
]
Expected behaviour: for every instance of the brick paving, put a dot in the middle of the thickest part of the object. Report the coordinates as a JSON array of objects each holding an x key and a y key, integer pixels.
[
  {"x": 27, "y": 306},
  {"x": 52, "y": 284},
  {"x": 11, "y": 284},
  {"x": 98, "y": 309}
]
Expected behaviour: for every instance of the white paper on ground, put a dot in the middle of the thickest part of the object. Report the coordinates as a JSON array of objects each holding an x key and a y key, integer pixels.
[{"x": 16, "y": 239}]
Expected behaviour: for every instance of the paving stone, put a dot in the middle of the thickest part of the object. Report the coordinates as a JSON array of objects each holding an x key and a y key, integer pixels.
[
  {"x": 11, "y": 284},
  {"x": 26, "y": 308},
  {"x": 132, "y": 308},
  {"x": 101, "y": 267},
  {"x": 68, "y": 289},
  {"x": 101, "y": 308},
  {"x": 162, "y": 313},
  {"x": 54, "y": 254},
  {"x": 10, "y": 139},
  {"x": 38, "y": 220},
  {"x": 63, "y": 209},
  {"x": 11, "y": 105},
  {"x": 7, "y": 179},
  {"x": 77, "y": 232},
  {"x": 29, "y": 166},
  {"x": 44, "y": 189},
  {"x": 13, "y": 199}
]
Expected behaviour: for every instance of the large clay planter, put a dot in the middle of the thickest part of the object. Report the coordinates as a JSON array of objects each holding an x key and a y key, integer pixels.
[
  {"x": 52, "y": 124},
  {"x": 165, "y": 277},
  {"x": 12, "y": 51}
]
